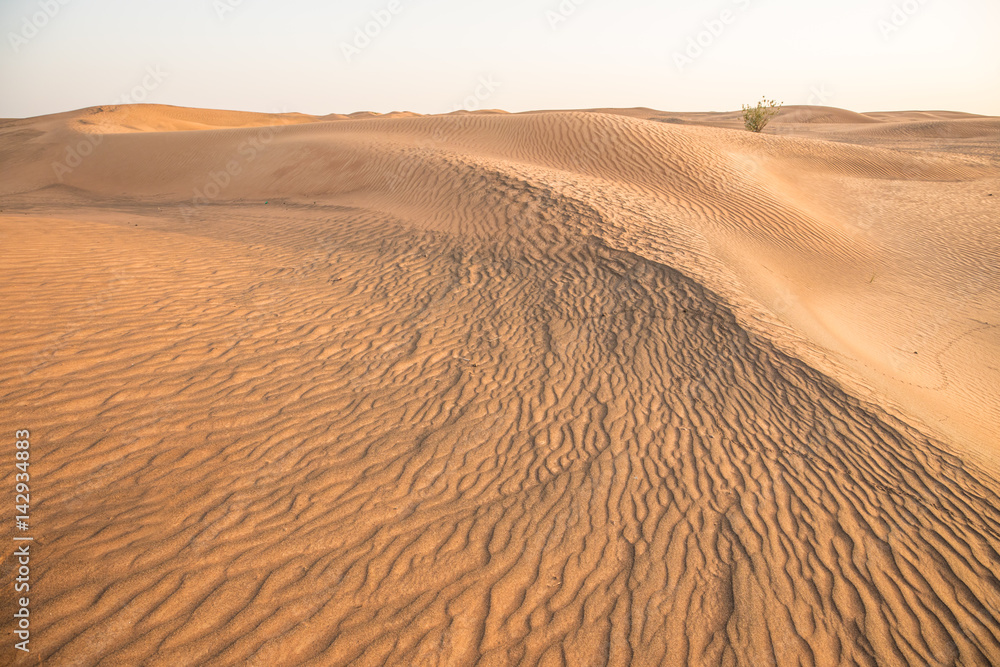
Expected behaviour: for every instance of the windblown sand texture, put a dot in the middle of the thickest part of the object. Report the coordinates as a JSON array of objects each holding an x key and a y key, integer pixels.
[{"x": 617, "y": 387}]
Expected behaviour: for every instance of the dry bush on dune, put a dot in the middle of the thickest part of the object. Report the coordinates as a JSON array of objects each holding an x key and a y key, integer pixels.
[{"x": 756, "y": 118}]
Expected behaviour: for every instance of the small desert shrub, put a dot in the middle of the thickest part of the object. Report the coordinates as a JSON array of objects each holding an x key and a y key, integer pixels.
[{"x": 756, "y": 118}]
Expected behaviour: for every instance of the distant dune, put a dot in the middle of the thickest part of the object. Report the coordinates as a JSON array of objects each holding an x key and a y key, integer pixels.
[{"x": 610, "y": 386}]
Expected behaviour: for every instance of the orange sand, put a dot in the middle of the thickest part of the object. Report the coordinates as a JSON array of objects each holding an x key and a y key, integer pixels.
[{"x": 617, "y": 387}]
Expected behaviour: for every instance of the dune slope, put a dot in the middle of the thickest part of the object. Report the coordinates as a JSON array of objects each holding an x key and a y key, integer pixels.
[{"x": 560, "y": 388}]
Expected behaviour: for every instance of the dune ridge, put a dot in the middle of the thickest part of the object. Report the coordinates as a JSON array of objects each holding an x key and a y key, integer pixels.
[{"x": 550, "y": 388}]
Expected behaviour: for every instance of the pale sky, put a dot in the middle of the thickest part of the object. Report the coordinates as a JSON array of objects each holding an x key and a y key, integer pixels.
[{"x": 433, "y": 56}]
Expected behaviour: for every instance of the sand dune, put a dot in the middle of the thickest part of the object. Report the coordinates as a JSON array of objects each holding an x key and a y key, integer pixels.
[
  {"x": 589, "y": 387},
  {"x": 917, "y": 131}
]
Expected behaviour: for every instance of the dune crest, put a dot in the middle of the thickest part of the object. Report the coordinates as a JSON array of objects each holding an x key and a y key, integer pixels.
[{"x": 616, "y": 386}]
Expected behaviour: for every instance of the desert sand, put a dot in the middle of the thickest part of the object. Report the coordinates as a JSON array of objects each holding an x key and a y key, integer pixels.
[{"x": 610, "y": 386}]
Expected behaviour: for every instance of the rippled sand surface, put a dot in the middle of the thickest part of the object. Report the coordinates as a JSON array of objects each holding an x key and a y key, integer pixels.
[{"x": 615, "y": 387}]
